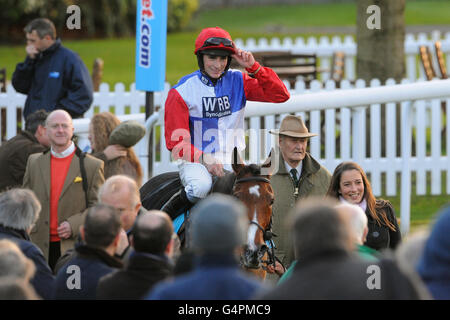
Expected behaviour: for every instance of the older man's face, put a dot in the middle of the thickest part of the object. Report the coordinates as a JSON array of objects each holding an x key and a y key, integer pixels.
[
  {"x": 293, "y": 149},
  {"x": 123, "y": 201},
  {"x": 59, "y": 130}
]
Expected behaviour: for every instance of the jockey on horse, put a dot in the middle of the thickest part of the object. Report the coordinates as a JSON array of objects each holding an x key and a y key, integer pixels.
[{"x": 204, "y": 113}]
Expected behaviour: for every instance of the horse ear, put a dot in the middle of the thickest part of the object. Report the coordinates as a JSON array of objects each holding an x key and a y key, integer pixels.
[
  {"x": 268, "y": 165},
  {"x": 237, "y": 163}
]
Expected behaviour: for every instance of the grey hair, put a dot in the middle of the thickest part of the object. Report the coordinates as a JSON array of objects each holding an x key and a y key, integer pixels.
[
  {"x": 42, "y": 26},
  {"x": 19, "y": 208},
  {"x": 114, "y": 185},
  {"x": 357, "y": 218}
]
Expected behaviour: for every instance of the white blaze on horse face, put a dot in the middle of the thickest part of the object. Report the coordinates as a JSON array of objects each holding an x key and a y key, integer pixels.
[
  {"x": 251, "y": 233},
  {"x": 254, "y": 190}
]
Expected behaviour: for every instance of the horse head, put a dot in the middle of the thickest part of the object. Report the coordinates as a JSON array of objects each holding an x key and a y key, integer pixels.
[{"x": 252, "y": 186}]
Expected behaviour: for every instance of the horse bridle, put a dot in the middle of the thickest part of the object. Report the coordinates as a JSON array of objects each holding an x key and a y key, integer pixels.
[
  {"x": 249, "y": 179},
  {"x": 267, "y": 233}
]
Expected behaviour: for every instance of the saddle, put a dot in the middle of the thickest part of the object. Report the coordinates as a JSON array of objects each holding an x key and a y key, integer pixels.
[
  {"x": 160, "y": 189},
  {"x": 157, "y": 191}
]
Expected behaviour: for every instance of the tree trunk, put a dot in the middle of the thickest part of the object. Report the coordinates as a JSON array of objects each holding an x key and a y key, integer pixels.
[
  {"x": 380, "y": 52},
  {"x": 380, "y": 35}
]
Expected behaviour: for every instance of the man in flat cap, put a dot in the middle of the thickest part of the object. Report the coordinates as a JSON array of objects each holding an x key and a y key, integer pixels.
[{"x": 299, "y": 176}]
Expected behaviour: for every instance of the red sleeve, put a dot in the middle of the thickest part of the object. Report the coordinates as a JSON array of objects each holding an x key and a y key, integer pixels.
[
  {"x": 265, "y": 86},
  {"x": 177, "y": 134}
]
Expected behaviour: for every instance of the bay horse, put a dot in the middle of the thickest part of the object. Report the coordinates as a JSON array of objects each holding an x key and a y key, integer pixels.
[{"x": 248, "y": 183}]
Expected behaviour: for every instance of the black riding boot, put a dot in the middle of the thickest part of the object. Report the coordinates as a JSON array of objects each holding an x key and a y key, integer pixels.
[{"x": 177, "y": 204}]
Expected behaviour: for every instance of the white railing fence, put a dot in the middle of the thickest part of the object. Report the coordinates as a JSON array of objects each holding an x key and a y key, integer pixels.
[
  {"x": 324, "y": 47},
  {"x": 407, "y": 131}
]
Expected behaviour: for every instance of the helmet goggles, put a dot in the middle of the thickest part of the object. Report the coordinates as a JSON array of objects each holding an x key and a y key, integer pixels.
[{"x": 217, "y": 41}]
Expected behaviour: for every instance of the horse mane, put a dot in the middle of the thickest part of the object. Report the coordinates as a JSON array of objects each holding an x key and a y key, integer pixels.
[{"x": 224, "y": 184}]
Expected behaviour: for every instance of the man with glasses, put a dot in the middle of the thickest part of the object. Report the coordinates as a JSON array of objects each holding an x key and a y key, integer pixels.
[
  {"x": 59, "y": 182},
  {"x": 204, "y": 113}
]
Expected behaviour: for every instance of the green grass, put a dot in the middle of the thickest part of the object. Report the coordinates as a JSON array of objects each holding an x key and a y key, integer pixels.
[
  {"x": 118, "y": 55},
  {"x": 427, "y": 12},
  {"x": 424, "y": 208},
  {"x": 255, "y": 19}
]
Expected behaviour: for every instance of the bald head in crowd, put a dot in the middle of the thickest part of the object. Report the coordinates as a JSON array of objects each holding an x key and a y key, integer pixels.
[
  {"x": 152, "y": 233},
  {"x": 357, "y": 221},
  {"x": 60, "y": 130},
  {"x": 122, "y": 193}
]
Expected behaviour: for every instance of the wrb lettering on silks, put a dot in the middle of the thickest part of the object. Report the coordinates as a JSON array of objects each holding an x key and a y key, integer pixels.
[{"x": 216, "y": 107}]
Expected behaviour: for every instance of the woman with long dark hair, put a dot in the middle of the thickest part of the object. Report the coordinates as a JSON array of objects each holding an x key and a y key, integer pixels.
[{"x": 349, "y": 184}]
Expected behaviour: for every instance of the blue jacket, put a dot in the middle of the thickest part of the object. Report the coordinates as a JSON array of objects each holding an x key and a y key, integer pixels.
[
  {"x": 56, "y": 79},
  {"x": 79, "y": 277},
  {"x": 217, "y": 277},
  {"x": 43, "y": 279},
  {"x": 434, "y": 265}
]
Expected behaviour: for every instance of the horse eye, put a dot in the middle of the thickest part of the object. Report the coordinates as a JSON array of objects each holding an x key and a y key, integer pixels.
[{"x": 271, "y": 201}]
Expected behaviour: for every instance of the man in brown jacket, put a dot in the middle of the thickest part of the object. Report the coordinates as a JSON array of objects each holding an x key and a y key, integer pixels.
[
  {"x": 299, "y": 176},
  {"x": 14, "y": 153},
  {"x": 57, "y": 180}
]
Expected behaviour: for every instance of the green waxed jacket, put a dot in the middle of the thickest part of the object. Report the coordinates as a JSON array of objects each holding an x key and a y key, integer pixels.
[{"x": 314, "y": 181}]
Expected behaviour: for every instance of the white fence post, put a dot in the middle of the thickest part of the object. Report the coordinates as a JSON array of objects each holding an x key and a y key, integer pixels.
[
  {"x": 375, "y": 142},
  {"x": 391, "y": 144},
  {"x": 359, "y": 129},
  {"x": 315, "y": 123},
  {"x": 406, "y": 140}
]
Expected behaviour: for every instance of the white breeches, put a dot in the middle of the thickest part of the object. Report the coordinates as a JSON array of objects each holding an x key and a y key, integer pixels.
[{"x": 196, "y": 179}]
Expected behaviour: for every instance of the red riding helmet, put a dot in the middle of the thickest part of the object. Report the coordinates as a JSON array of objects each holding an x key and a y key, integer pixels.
[{"x": 214, "y": 38}]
